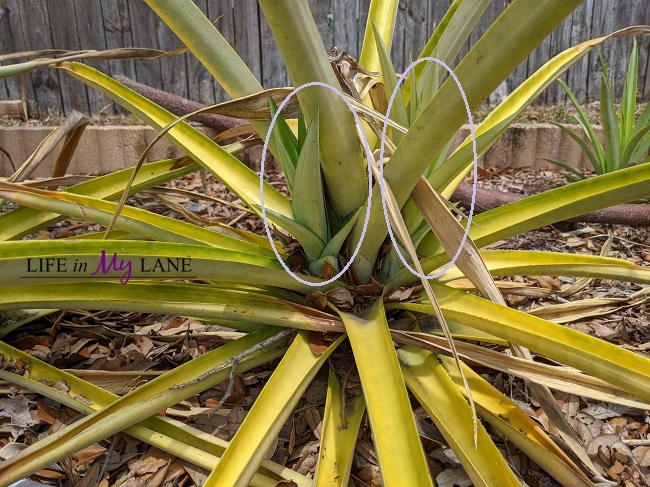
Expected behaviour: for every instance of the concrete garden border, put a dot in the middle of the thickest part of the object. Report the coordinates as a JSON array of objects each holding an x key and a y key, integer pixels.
[{"x": 108, "y": 148}]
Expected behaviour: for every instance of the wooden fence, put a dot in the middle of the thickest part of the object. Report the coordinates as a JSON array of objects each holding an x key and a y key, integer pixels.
[{"x": 96, "y": 24}]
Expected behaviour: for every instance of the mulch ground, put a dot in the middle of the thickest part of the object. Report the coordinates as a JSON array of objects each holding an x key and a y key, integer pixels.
[{"x": 137, "y": 347}]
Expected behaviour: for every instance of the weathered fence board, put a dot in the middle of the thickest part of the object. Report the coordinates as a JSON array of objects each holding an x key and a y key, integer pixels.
[
  {"x": 101, "y": 24},
  {"x": 89, "y": 22}
]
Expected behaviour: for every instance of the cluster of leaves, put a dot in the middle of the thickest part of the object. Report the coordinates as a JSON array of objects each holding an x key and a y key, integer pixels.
[
  {"x": 238, "y": 282},
  {"x": 626, "y": 141}
]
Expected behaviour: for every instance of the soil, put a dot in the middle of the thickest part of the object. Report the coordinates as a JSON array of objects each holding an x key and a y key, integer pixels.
[{"x": 142, "y": 346}]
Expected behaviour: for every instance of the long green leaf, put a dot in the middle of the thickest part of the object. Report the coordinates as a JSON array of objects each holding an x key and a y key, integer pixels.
[
  {"x": 333, "y": 247},
  {"x": 310, "y": 242},
  {"x": 271, "y": 410},
  {"x": 306, "y": 59},
  {"x": 400, "y": 454},
  {"x": 341, "y": 423},
  {"x": 40, "y": 261},
  {"x": 398, "y": 111},
  {"x": 449, "y": 37},
  {"x": 610, "y": 123},
  {"x": 611, "y": 363},
  {"x": 141, "y": 403},
  {"x": 308, "y": 196},
  {"x": 556, "y": 205},
  {"x": 381, "y": 13},
  {"x": 448, "y": 409},
  {"x": 287, "y": 146},
  {"x": 201, "y": 37},
  {"x": 525, "y": 23},
  {"x": 170, "y": 435},
  {"x": 134, "y": 220},
  {"x": 196, "y": 300},
  {"x": 230, "y": 171},
  {"x": 584, "y": 122},
  {"x": 540, "y": 263},
  {"x": 511, "y": 421},
  {"x": 22, "y": 221},
  {"x": 628, "y": 103}
]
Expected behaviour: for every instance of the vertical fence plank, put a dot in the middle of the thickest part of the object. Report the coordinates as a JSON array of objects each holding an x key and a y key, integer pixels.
[
  {"x": 646, "y": 89},
  {"x": 641, "y": 15},
  {"x": 415, "y": 31},
  {"x": 323, "y": 13},
  {"x": 200, "y": 85},
  {"x": 492, "y": 12},
  {"x": 399, "y": 38},
  {"x": 247, "y": 34},
  {"x": 37, "y": 31},
  {"x": 4, "y": 41},
  {"x": 364, "y": 5},
  {"x": 7, "y": 45},
  {"x": 345, "y": 26},
  {"x": 144, "y": 24},
  {"x": 61, "y": 13},
  {"x": 274, "y": 72},
  {"x": 117, "y": 30},
  {"x": 223, "y": 11},
  {"x": 559, "y": 38},
  {"x": 601, "y": 25},
  {"x": 174, "y": 69},
  {"x": 90, "y": 27},
  {"x": 95, "y": 24},
  {"x": 577, "y": 75}
]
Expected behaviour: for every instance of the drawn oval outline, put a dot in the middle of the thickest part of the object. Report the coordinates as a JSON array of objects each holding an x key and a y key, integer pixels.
[
  {"x": 381, "y": 167},
  {"x": 368, "y": 157}
]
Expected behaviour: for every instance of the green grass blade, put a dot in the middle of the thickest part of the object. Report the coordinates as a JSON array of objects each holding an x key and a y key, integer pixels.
[
  {"x": 573, "y": 173},
  {"x": 610, "y": 123},
  {"x": 593, "y": 159},
  {"x": 628, "y": 103},
  {"x": 584, "y": 122},
  {"x": 636, "y": 147}
]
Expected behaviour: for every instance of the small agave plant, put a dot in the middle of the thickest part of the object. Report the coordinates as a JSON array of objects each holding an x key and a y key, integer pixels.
[
  {"x": 348, "y": 299},
  {"x": 626, "y": 138}
]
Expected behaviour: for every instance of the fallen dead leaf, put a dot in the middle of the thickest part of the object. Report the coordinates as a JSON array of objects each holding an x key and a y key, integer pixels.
[{"x": 17, "y": 410}]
